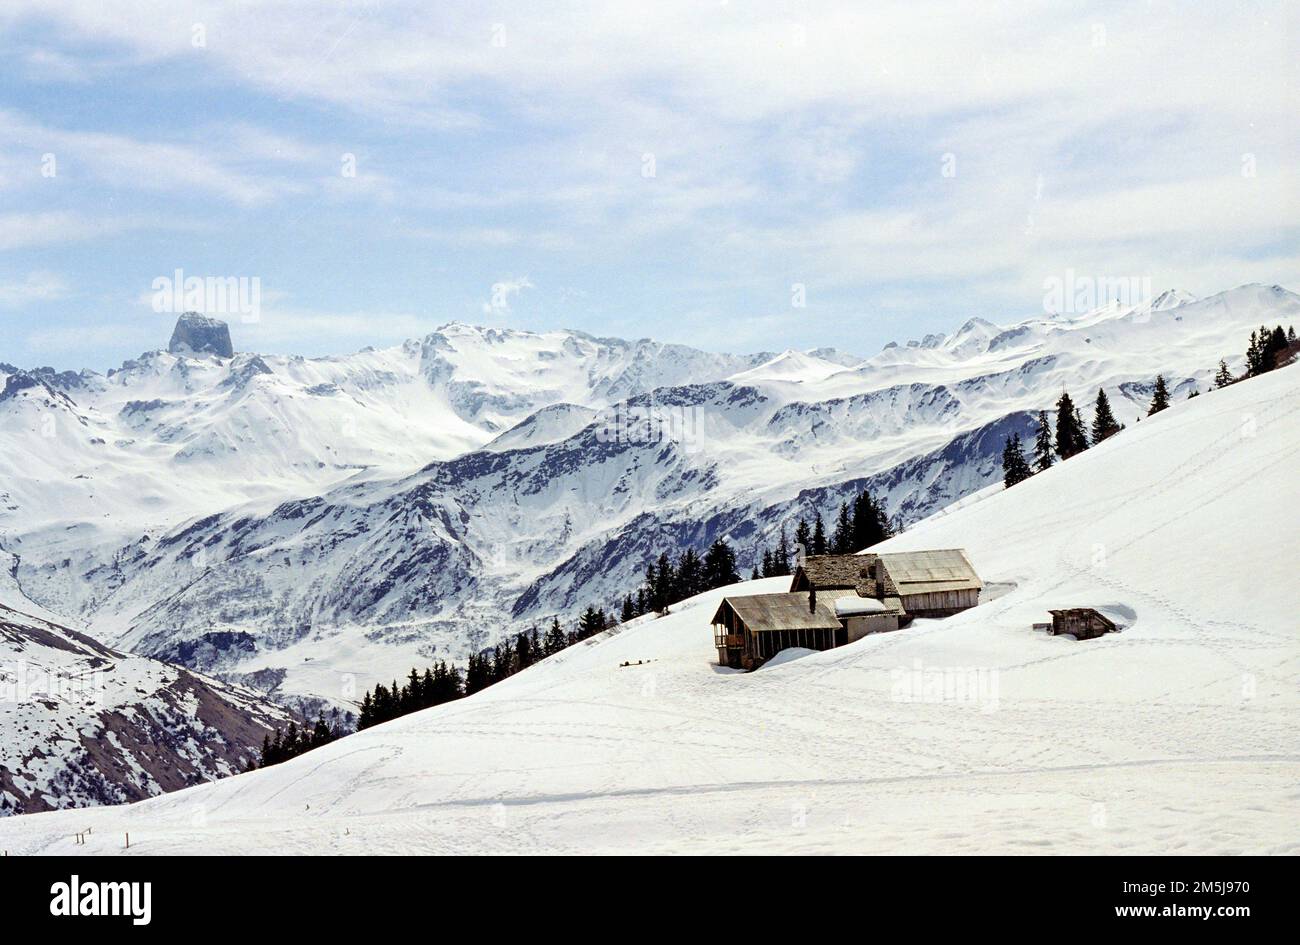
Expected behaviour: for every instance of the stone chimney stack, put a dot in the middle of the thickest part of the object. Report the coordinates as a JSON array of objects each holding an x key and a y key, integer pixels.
[{"x": 812, "y": 598}]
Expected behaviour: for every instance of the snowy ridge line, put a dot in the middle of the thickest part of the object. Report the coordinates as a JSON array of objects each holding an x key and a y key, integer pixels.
[{"x": 264, "y": 498}]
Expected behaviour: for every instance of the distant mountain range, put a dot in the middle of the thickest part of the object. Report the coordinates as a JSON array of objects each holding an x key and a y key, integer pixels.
[{"x": 311, "y": 526}]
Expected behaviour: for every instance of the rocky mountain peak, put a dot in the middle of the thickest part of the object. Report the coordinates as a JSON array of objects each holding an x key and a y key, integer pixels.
[{"x": 197, "y": 334}]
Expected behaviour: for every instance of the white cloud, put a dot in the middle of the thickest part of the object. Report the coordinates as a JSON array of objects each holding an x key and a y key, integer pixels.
[
  {"x": 789, "y": 144},
  {"x": 44, "y": 228},
  {"x": 123, "y": 161},
  {"x": 36, "y": 287}
]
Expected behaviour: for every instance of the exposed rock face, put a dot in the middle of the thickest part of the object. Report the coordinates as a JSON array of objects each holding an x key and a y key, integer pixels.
[
  {"x": 199, "y": 334},
  {"x": 82, "y": 724}
]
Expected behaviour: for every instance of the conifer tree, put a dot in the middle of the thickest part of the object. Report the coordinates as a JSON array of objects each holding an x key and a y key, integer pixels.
[
  {"x": 781, "y": 558},
  {"x": 1069, "y": 431},
  {"x": 478, "y": 674},
  {"x": 413, "y": 692},
  {"x": 665, "y": 583},
  {"x": 719, "y": 566},
  {"x": 1222, "y": 377},
  {"x": 1015, "y": 468},
  {"x": 1277, "y": 345},
  {"x": 862, "y": 519},
  {"x": 320, "y": 733},
  {"x": 843, "y": 537},
  {"x": 690, "y": 576},
  {"x": 819, "y": 536},
  {"x": 1043, "y": 448},
  {"x": 1104, "y": 424},
  {"x": 1160, "y": 399},
  {"x": 803, "y": 538},
  {"x": 555, "y": 638},
  {"x": 870, "y": 523},
  {"x": 590, "y": 623},
  {"x": 503, "y": 661},
  {"x": 629, "y": 610},
  {"x": 1254, "y": 356}
]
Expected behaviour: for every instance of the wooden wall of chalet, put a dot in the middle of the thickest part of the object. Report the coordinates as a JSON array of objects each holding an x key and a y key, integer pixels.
[{"x": 940, "y": 603}]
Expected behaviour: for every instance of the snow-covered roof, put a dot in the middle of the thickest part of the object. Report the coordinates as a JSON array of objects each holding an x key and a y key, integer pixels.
[{"x": 852, "y": 606}]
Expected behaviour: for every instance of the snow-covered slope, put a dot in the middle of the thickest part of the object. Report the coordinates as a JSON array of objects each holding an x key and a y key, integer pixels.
[
  {"x": 82, "y": 724},
  {"x": 971, "y": 734},
  {"x": 323, "y": 556}
]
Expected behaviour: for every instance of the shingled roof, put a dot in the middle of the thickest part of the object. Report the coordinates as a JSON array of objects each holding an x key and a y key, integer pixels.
[
  {"x": 761, "y": 612},
  {"x": 828, "y": 571},
  {"x": 905, "y": 572}
]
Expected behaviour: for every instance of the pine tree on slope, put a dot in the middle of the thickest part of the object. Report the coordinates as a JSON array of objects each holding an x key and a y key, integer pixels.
[
  {"x": 819, "y": 536},
  {"x": 1222, "y": 377},
  {"x": 1014, "y": 466},
  {"x": 1069, "y": 433},
  {"x": 1043, "y": 448},
  {"x": 1104, "y": 424},
  {"x": 1160, "y": 399}
]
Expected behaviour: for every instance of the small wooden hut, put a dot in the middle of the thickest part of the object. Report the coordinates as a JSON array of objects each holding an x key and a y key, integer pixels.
[{"x": 1084, "y": 623}]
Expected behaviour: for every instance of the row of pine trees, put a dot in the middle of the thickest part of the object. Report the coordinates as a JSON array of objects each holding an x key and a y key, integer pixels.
[
  {"x": 860, "y": 524},
  {"x": 294, "y": 741},
  {"x": 444, "y": 682},
  {"x": 668, "y": 581},
  {"x": 1268, "y": 350}
]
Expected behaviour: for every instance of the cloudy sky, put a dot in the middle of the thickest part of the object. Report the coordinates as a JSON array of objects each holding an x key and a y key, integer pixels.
[{"x": 672, "y": 170}]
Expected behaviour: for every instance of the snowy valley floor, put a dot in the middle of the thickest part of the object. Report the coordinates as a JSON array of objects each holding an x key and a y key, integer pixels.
[{"x": 973, "y": 734}]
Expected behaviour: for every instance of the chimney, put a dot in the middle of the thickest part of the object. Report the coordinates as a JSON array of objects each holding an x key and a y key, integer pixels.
[{"x": 812, "y": 598}]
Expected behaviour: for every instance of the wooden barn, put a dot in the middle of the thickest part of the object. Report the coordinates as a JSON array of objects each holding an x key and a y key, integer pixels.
[
  {"x": 750, "y": 630},
  {"x": 927, "y": 583},
  {"x": 837, "y": 599},
  {"x": 1084, "y": 623}
]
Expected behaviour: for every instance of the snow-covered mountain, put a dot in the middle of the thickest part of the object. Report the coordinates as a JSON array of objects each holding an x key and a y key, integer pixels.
[
  {"x": 83, "y": 724},
  {"x": 973, "y": 734},
  {"x": 318, "y": 525}
]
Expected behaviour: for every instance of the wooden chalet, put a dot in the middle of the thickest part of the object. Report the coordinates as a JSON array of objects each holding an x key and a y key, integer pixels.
[
  {"x": 927, "y": 583},
  {"x": 837, "y": 599},
  {"x": 750, "y": 630}
]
